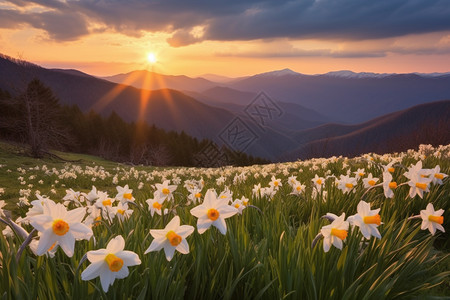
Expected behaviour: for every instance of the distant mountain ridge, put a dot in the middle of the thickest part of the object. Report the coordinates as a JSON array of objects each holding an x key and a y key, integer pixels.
[
  {"x": 313, "y": 109},
  {"x": 398, "y": 131}
]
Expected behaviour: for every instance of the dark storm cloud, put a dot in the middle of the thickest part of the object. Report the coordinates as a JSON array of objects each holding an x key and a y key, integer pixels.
[{"x": 240, "y": 20}]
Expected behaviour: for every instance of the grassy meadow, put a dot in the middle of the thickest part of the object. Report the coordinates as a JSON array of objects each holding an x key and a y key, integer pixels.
[{"x": 266, "y": 252}]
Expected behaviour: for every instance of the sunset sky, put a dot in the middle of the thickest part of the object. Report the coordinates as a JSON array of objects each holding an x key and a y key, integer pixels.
[{"x": 231, "y": 38}]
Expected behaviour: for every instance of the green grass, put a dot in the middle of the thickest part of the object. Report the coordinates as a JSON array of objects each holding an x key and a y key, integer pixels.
[{"x": 266, "y": 252}]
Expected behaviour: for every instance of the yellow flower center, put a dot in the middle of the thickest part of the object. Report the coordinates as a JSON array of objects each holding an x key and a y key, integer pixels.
[
  {"x": 436, "y": 219},
  {"x": 371, "y": 182},
  {"x": 165, "y": 191},
  {"x": 361, "y": 174},
  {"x": 245, "y": 203},
  {"x": 340, "y": 233},
  {"x": 114, "y": 263},
  {"x": 319, "y": 181},
  {"x": 393, "y": 185},
  {"x": 376, "y": 219},
  {"x": 439, "y": 176},
  {"x": 128, "y": 196},
  {"x": 298, "y": 188},
  {"x": 391, "y": 170},
  {"x": 237, "y": 205},
  {"x": 349, "y": 185},
  {"x": 422, "y": 186},
  {"x": 60, "y": 227},
  {"x": 157, "y": 205},
  {"x": 223, "y": 196},
  {"x": 275, "y": 183},
  {"x": 198, "y": 195},
  {"x": 213, "y": 214},
  {"x": 173, "y": 238},
  {"x": 106, "y": 202},
  {"x": 121, "y": 211}
]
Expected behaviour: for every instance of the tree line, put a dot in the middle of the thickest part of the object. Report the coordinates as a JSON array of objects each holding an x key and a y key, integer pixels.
[{"x": 36, "y": 118}]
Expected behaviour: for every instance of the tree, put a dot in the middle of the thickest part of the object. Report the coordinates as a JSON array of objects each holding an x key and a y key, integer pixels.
[{"x": 36, "y": 117}]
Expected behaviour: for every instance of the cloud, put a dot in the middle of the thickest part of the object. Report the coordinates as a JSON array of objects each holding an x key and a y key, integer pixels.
[{"x": 236, "y": 20}]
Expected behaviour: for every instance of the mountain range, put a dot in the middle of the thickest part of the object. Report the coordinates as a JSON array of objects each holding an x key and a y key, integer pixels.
[{"x": 282, "y": 114}]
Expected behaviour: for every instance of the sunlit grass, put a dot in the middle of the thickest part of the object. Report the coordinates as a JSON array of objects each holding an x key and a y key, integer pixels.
[{"x": 266, "y": 252}]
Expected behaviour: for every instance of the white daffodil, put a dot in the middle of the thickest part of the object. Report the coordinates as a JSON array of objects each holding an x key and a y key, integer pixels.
[
  {"x": 124, "y": 194},
  {"x": 110, "y": 263},
  {"x": 292, "y": 180},
  {"x": 432, "y": 219},
  {"x": 121, "y": 211},
  {"x": 213, "y": 211},
  {"x": 92, "y": 196},
  {"x": 256, "y": 191},
  {"x": 165, "y": 190},
  {"x": 388, "y": 185},
  {"x": 346, "y": 183},
  {"x": 298, "y": 189},
  {"x": 171, "y": 238},
  {"x": 418, "y": 184},
  {"x": 318, "y": 182},
  {"x": 239, "y": 204},
  {"x": 334, "y": 233},
  {"x": 360, "y": 173},
  {"x": 72, "y": 196},
  {"x": 59, "y": 225},
  {"x": 275, "y": 183},
  {"x": 367, "y": 220},
  {"x": 370, "y": 181},
  {"x": 155, "y": 204},
  {"x": 194, "y": 196},
  {"x": 436, "y": 176}
]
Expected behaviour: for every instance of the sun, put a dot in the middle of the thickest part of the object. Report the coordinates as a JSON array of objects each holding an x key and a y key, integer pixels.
[{"x": 151, "y": 58}]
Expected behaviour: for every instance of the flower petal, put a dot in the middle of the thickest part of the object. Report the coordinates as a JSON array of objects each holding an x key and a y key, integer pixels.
[
  {"x": 129, "y": 258},
  {"x": 106, "y": 279},
  {"x": 173, "y": 224},
  {"x": 92, "y": 271},
  {"x": 169, "y": 250},
  {"x": 221, "y": 225},
  {"x": 81, "y": 231},
  {"x": 47, "y": 239},
  {"x": 183, "y": 247},
  {"x": 185, "y": 230},
  {"x": 76, "y": 215},
  {"x": 41, "y": 222},
  {"x": 156, "y": 245},
  {"x": 227, "y": 211},
  {"x": 116, "y": 244},
  {"x": 96, "y": 255},
  {"x": 67, "y": 243}
]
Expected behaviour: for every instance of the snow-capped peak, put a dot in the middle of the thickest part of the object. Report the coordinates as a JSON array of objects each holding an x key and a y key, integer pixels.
[
  {"x": 350, "y": 74},
  {"x": 279, "y": 73}
]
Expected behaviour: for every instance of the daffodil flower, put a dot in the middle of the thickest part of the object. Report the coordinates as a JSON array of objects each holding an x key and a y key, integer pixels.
[
  {"x": 346, "y": 183},
  {"x": 432, "y": 219},
  {"x": 370, "y": 181},
  {"x": 334, "y": 233},
  {"x": 418, "y": 185},
  {"x": 388, "y": 185},
  {"x": 110, "y": 263},
  {"x": 213, "y": 211},
  {"x": 171, "y": 238},
  {"x": 124, "y": 194},
  {"x": 367, "y": 220},
  {"x": 59, "y": 225},
  {"x": 165, "y": 190},
  {"x": 318, "y": 182}
]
